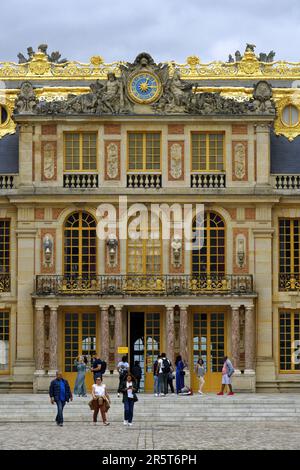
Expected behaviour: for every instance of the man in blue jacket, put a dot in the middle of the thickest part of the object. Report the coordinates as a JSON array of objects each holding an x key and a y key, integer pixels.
[{"x": 60, "y": 393}]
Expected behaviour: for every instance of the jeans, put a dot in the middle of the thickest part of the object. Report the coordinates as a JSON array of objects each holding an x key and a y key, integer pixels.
[
  {"x": 60, "y": 406},
  {"x": 163, "y": 382},
  {"x": 156, "y": 384},
  {"x": 170, "y": 384},
  {"x": 128, "y": 409}
]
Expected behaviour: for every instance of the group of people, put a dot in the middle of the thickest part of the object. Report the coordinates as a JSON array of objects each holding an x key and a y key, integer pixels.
[{"x": 129, "y": 384}]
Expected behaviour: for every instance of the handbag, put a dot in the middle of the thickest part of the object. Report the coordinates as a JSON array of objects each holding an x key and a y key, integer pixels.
[
  {"x": 92, "y": 404},
  {"x": 182, "y": 372},
  {"x": 135, "y": 398}
]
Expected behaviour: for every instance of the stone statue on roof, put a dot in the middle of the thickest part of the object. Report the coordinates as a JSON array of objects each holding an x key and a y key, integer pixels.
[{"x": 54, "y": 57}]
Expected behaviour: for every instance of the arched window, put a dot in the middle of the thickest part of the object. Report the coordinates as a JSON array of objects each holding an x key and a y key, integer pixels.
[
  {"x": 80, "y": 245},
  {"x": 144, "y": 255},
  {"x": 208, "y": 255}
]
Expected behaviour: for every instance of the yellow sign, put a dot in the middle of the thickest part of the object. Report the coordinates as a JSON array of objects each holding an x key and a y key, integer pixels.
[{"x": 123, "y": 350}]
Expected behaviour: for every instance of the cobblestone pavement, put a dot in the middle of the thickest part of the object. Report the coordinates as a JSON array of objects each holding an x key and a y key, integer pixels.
[{"x": 270, "y": 435}]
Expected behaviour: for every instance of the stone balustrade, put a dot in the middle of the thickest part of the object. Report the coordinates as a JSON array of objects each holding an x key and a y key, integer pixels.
[
  {"x": 80, "y": 180},
  {"x": 7, "y": 181},
  {"x": 208, "y": 180},
  {"x": 286, "y": 182},
  {"x": 144, "y": 180}
]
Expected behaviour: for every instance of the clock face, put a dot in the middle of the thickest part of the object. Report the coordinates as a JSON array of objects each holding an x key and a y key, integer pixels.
[{"x": 144, "y": 87}]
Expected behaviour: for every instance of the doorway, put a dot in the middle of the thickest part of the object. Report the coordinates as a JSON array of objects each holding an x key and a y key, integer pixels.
[
  {"x": 209, "y": 342},
  {"x": 144, "y": 339}
]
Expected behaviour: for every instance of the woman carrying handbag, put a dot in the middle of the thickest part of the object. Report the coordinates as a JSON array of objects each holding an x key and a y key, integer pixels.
[{"x": 100, "y": 401}]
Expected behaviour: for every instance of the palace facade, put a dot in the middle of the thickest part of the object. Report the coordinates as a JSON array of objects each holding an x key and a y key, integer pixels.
[{"x": 223, "y": 136}]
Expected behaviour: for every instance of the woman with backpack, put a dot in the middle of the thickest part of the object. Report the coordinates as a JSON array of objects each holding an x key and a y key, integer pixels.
[
  {"x": 200, "y": 372},
  {"x": 227, "y": 372},
  {"x": 179, "y": 374}
]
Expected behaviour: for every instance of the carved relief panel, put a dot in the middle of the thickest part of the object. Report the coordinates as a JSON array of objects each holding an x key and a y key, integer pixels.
[
  {"x": 49, "y": 161},
  {"x": 176, "y": 160},
  {"x": 239, "y": 160},
  {"x": 112, "y": 160}
]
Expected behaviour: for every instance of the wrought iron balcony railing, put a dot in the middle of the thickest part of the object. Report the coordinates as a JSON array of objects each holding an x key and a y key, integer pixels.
[
  {"x": 149, "y": 285},
  {"x": 4, "y": 283},
  {"x": 289, "y": 282}
]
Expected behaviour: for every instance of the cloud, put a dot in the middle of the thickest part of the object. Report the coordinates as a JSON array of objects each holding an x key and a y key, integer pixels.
[{"x": 167, "y": 29}]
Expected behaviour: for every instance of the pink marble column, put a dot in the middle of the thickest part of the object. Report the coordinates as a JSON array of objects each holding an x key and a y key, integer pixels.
[
  {"x": 184, "y": 333},
  {"x": 104, "y": 333},
  {"x": 235, "y": 337},
  {"x": 53, "y": 339},
  {"x": 39, "y": 338},
  {"x": 170, "y": 333},
  {"x": 249, "y": 340},
  {"x": 118, "y": 332}
]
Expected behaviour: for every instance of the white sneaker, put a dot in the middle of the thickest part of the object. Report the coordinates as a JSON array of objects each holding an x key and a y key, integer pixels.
[
  {"x": 129, "y": 424},
  {"x": 118, "y": 395},
  {"x": 156, "y": 394},
  {"x": 125, "y": 423}
]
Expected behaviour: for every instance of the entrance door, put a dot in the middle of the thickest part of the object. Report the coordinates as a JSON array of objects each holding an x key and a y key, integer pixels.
[
  {"x": 209, "y": 342},
  {"x": 79, "y": 339},
  {"x": 144, "y": 340}
]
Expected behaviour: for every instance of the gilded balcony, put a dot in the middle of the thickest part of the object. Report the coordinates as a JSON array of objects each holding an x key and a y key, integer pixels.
[
  {"x": 289, "y": 282},
  {"x": 4, "y": 283},
  {"x": 148, "y": 285}
]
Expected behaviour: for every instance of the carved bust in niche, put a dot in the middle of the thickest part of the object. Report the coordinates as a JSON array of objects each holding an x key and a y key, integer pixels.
[{"x": 176, "y": 161}]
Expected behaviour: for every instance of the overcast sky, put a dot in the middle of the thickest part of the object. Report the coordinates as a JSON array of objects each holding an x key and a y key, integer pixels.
[{"x": 167, "y": 29}]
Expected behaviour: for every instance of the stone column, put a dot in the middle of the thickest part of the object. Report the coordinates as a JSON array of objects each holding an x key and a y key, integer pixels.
[
  {"x": 39, "y": 339},
  {"x": 53, "y": 339},
  {"x": 184, "y": 333},
  {"x": 170, "y": 333},
  {"x": 249, "y": 340},
  {"x": 263, "y": 154},
  {"x": 118, "y": 332},
  {"x": 104, "y": 334},
  {"x": 235, "y": 338}
]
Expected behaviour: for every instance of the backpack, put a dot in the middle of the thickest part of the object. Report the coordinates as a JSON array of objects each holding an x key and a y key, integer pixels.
[
  {"x": 166, "y": 366},
  {"x": 103, "y": 367}
]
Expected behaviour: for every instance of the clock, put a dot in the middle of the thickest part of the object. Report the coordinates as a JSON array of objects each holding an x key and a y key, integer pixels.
[{"x": 144, "y": 87}]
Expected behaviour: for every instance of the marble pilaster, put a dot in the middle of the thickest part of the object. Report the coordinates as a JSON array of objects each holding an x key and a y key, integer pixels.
[
  {"x": 235, "y": 338},
  {"x": 39, "y": 339},
  {"x": 249, "y": 340},
  {"x": 170, "y": 333},
  {"x": 104, "y": 333},
  {"x": 118, "y": 332},
  {"x": 184, "y": 332},
  {"x": 53, "y": 339}
]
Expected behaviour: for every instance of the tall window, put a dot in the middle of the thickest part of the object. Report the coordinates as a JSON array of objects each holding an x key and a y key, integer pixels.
[
  {"x": 289, "y": 329},
  {"x": 80, "y": 151},
  {"x": 4, "y": 342},
  {"x": 4, "y": 246},
  {"x": 144, "y": 151},
  {"x": 144, "y": 254},
  {"x": 207, "y": 151},
  {"x": 208, "y": 255},
  {"x": 80, "y": 245},
  {"x": 289, "y": 246}
]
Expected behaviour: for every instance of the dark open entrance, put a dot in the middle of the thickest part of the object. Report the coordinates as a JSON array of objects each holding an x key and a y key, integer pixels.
[{"x": 137, "y": 342}]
